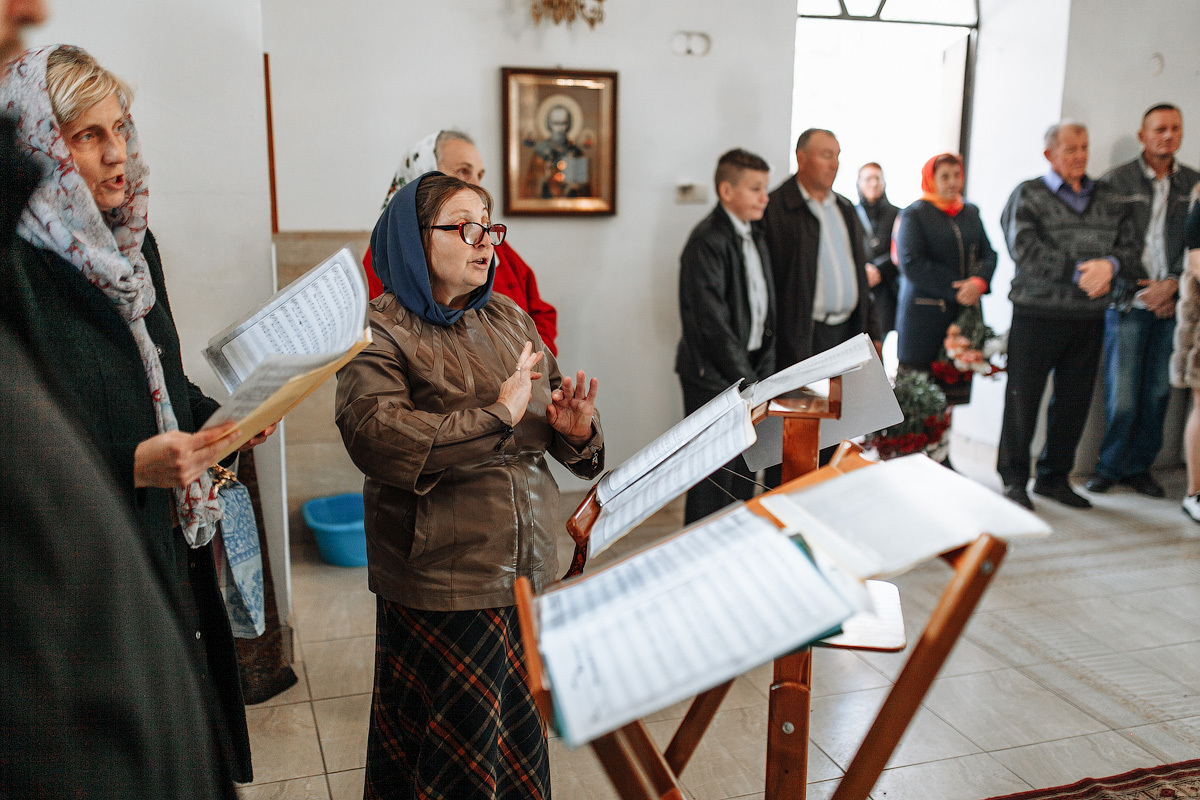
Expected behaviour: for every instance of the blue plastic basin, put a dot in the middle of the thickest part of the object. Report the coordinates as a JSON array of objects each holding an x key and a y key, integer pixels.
[{"x": 337, "y": 522}]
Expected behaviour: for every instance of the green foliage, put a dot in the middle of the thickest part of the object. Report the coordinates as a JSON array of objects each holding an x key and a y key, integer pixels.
[
  {"x": 920, "y": 398},
  {"x": 971, "y": 325}
]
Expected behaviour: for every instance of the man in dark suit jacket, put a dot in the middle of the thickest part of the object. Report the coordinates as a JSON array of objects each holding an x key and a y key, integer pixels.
[
  {"x": 816, "y": 245},
  {"x": 727, "y": 307}
]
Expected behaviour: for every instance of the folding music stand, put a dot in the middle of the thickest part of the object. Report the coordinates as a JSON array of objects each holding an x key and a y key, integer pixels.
[{"x": 636, "y": 767}]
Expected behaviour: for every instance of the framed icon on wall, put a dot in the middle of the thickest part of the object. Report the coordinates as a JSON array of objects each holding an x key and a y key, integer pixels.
[{"x": 560, "y": 142}]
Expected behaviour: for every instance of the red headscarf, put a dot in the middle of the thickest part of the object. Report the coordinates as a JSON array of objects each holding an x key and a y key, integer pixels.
[{"x": 929, "y": 188}]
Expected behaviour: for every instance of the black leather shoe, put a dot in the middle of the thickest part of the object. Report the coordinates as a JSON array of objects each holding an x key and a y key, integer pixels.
[
  {"x": 1019, "y": 496},
  {"x": 1062, "y": 492},
  {"x": 1098, "y": 484},
  {"x": 1142, "y": 483}
]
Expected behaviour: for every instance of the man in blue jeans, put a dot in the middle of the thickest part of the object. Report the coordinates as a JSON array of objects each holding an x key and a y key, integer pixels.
[{"x": 1140, "y": 323}]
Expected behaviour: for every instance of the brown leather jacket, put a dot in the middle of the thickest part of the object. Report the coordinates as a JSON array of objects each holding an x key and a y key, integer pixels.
[{"x": 458, "y": 501}]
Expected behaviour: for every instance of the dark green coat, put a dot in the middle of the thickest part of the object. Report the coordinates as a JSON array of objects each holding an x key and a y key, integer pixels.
[{"x": 92, "y": 365}]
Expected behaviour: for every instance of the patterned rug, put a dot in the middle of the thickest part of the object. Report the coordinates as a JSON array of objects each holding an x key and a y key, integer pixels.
[{"x": 1155, "y": 783}]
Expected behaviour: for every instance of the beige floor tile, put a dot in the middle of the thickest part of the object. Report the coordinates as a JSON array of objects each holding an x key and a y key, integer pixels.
[
  {"x": 1112, "y": 620},
  {"x": 1005, "y": 709},
  {"x": 1178, "y": 740},
  {"x": 1118, "y": 690},
  {"x": 838, "y": 671},
  {"x": 966, "y": 778},
  {"x": 743, "y": 694},
  {"x": 731, "y": 758},
  {"x": 341, "y": 616},
  {"x": 1181, "y": 662},
  {"x": 341, "y": 667},
  {"x": 1069, "y": 760},
  {"x": 840, "y": 722},
  {"x": 577, "y": 775},
  {"x": 313, "y": 788},
  {"x": 283, "y": 742},
  {"x": 296, "y": 694},
  {"x": 1023, "y": 636},
  {"x": 322, "y": 468},
  {"x": 346, "y": 785},
  {"x": 343, "y": 724},
  {"x": 314, "y": 580}
]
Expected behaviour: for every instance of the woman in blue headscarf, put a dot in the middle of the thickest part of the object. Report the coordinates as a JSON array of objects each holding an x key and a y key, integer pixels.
[{"x": 447, "y": 417}]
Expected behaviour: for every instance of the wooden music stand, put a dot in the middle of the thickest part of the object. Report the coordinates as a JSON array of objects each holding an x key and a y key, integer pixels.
[{"x": 636, "y": 767}]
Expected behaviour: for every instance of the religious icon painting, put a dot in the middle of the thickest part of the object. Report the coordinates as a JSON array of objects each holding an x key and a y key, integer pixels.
[{"x": 560, "y": 142}]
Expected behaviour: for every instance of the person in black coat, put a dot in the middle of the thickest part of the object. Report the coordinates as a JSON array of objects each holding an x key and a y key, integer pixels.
[
  {"x": 878, "y": 217},
  {"x": 823, "y": 300},
  {"x": 85, "y": 295},
  {"x": 727, "y": 307},
  {"x": 946, "y": 263},
  {"x": 99, "y": 695}
]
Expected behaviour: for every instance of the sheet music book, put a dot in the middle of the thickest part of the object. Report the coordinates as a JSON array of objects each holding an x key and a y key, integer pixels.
[
  {"x": 276, "y": 356},
  {"x": 679, "y": 618},
  {"x": 868, "y": 402},
  {"x": 735, "y": 591},
  {"x": 679, "y": 464},
  {"x": 883, "y": 521}
]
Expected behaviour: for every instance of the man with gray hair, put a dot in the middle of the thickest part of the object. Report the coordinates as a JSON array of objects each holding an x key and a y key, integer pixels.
[{"x": 1068, "y": 237}]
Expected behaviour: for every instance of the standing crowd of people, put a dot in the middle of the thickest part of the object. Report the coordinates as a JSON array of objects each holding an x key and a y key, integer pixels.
[{"x": 1102, "y": 270}]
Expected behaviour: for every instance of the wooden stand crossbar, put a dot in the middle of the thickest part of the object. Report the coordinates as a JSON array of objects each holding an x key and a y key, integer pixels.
[{"x": 636, "y": 767}]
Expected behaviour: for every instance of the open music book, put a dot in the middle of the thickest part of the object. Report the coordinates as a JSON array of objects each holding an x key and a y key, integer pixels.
[
  {"x": 720, "y": 430},
  {"x": 736, "y": 590},
  {"x": 276, "y": 356}
]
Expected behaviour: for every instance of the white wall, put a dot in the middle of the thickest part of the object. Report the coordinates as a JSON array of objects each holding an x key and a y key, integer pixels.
[
  {"x": 1019, "y": 78},
  {"x": 199, "y": 107},
  {"x": 354, "y": 84}
]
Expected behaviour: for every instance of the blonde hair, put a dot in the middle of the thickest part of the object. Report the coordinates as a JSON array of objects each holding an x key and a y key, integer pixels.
[{"x": 75, "y": 82}]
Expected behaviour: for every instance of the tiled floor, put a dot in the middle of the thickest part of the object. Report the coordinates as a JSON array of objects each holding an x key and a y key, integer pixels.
[{"x": 1084, "y": 659}]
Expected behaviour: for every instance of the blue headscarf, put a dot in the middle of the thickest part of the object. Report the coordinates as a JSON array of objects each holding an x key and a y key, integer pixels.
[{"x": 399, "y": 260}]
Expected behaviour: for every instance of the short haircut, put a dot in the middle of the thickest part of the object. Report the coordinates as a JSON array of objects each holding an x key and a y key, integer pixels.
[
  {"x": 802, "y": 140},
  {"x": 75, "y": 82},
  {"x": 731, "y": 165},
  {"x": 433, "y": 193},
  {"x": 1160, "y": 107},
  {"x": 448, "y": 135},
  {"x": 1051, "y": 137}
]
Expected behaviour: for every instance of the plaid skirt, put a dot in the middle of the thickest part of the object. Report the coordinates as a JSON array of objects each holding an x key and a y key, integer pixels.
[{"x": 451, "y": 715}]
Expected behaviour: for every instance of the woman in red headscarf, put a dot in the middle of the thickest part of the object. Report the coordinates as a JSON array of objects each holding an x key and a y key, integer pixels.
[{"x": 946, "y": 263}]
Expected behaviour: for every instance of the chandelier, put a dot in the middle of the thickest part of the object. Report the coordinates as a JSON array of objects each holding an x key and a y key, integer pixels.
[{"x": 590, "y": 11}]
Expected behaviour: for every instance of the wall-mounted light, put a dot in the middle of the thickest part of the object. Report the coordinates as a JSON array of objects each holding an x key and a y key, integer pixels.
[{"x": 690, "y": 43}]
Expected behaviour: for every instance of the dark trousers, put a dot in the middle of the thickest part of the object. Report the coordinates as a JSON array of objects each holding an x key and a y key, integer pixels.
[
  {"x": 714, "y": 492},
  {"x": 1037, "y": 346}
]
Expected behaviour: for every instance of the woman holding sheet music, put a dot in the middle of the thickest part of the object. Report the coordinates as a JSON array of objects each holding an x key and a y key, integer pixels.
[
  {"x": 84, "y": 289},
  {"x": 449, "y": 415}
]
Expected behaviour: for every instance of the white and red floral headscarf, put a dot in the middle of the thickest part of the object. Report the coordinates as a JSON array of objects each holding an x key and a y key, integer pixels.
[{"x": 106, "y": 247}]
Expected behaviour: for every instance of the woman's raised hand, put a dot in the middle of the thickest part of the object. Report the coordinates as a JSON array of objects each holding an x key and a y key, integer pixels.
[
  {"x": 517, "y": 389},
  {"x": 571, "y": 411},
  {"x": 176, "y": 458}
]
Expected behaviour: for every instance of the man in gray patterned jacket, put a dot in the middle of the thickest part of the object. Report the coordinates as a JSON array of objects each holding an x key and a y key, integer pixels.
[
  {"x": 1139, "y": 326},
  {"x": 1069, "y": 236}
]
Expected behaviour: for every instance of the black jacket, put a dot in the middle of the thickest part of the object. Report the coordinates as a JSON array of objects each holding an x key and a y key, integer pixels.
[
  {"x": 877, "y": 220},
  {"x": 935, "y": 250},
  {"x": 91, "y": 364},
  {"x": 1135, "y": 190},
  {"x": 793, "y": 239},
  {"x": 715, "y": 310},
  {"x": 99, "y": 696}
]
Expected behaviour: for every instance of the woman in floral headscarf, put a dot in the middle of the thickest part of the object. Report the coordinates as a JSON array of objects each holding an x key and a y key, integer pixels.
[{"x": 85, "y": 289}]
